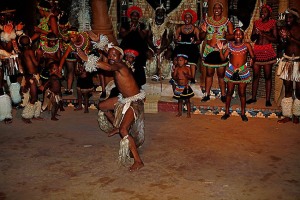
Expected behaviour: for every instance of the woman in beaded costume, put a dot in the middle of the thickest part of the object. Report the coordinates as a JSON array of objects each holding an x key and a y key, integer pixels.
[
  {"x": 48, "y": 52},
  {"x": 215, "y": 28},
  {"x": 187, "y": 40},
  {"x": 264, "y": 33},
  {"x": 48, "y": 22},
  {"x": 78, "y": 40},
  {"x": 133, "y": 34},
  {"x": 237, "y": 73}
]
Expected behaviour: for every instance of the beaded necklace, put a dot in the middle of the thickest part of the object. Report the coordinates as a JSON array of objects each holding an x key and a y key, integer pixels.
[
  {"x": 265, "y": 26},
  {"x": 218, "y": 27},
  {"x": 237, "y": 49},
  {"x": 63, "y": 34},
  {"x": 188, "y": 28},
  {"x": 212, "y": 22},
  {"x": 48, "y": 49},
  {"x": 84, "y": 42}
]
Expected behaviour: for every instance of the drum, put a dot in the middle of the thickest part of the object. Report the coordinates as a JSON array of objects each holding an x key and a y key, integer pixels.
[{"x": 11, "y": 66}]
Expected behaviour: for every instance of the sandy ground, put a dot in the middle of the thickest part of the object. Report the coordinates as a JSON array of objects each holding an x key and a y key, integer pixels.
[{"x": 198, "y": 158}]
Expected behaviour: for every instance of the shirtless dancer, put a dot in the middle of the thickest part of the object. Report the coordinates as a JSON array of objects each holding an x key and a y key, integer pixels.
[
  {"x": 32, "y": 108},
  {"x": 128, "y": 106},
  {"x": 289, "y": 69}
]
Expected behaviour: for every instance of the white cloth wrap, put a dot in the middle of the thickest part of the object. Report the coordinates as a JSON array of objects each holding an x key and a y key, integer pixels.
[
  {"x": 5, "y": 107},
  {"x": 127, "y": 101},
  {"x": 286, "y": 106},
  {"x": 296, "y": 107},
  {"x": 288, "y": 68},
  {"x": 91, "y": 64},
  {"x": 15, "y": 95}
]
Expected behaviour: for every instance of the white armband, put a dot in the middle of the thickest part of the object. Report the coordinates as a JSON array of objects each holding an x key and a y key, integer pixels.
[{"x": 91, "y": 64}]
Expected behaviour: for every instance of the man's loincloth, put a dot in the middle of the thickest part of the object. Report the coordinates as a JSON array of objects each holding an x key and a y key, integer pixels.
[
  {"x": 288, "y": 68},
  {"x": 136, "y": 103}
]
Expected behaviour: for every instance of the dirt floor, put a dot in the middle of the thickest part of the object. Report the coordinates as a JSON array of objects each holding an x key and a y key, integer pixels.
[{"x": 190, "y": 159}]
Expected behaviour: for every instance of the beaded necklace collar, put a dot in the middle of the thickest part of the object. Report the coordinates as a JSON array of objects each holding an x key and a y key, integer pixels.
[
  {"x": 223, "y": 21},
  {"x": 265, "y": 26},
  {"x": 236, "y": 49},
  {"x": 84, "y": 42},
  {"x": 48, "y": 49}
]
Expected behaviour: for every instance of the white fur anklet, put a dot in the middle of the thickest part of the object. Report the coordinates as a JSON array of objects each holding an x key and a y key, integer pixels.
[
  {"x": 296, "y": 107},
  {"x": 286, "y": 106},
  {"x": 124, "y": 156}
]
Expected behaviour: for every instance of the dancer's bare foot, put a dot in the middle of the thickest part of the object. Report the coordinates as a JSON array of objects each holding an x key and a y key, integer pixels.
[
  {"x": 27, "y": 121},
  {"x": 78, "y": 108},
  {"x": 7, "y": 121},
  {"x": 136, "y": 166},
  {"x": 38, "y": 118},
  {"x": 179, "y": 115},
  {"x": 54, "y": 118},
  {"x": 284, "y": 120},
  {"x": 188, "y": 115},
  {"x": 113, "y": 132},
  {"x": 296, "y": 120}
]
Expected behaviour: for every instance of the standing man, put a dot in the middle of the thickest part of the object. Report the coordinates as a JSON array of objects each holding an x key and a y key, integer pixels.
[
  {"x": 159, "y": 40},
  {"x": 128, "y": 119},
  {"x": 288, "y": 69}
]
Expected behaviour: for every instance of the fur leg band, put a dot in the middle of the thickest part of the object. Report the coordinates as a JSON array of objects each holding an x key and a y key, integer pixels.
[
  {"x": 28, "y": 111},
  {"x": 25, "y": 100},
  {"x": 296, "y": 107},
  {"x": 104, "y": 124},
  {"x": 5, "y": 107},
  {"x": 14, "y": 89},
  {"x": 286, "y": 106},
  {"x": 37, "y": 109},
  {"x": 124, "y": 156}
]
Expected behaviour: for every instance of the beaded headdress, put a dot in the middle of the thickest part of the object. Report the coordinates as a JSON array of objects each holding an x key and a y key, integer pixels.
[
  {"x": 190, "y": 12},
  {"x": 219, "y": 4},
  {"x": 118, "y": 49},
  {"x": 131, "y": 52},
  {"x": 238, "y": 28},
  {"x": 182, "y": 55},
  {"x": 267, "y": 6},
  {"x": 134, "y": 9}
]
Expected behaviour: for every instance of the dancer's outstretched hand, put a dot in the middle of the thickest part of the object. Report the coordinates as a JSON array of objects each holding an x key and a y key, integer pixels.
[
  {"x": 95, "y": 37},
  {"x": 82, "y": 55}
]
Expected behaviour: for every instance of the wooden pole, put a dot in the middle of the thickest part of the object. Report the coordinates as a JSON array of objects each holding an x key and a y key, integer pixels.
[{"x": 101, "y": 23}]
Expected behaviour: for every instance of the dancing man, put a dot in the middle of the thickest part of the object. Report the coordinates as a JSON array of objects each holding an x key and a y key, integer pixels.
[{"x": 128, "y": 119}]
